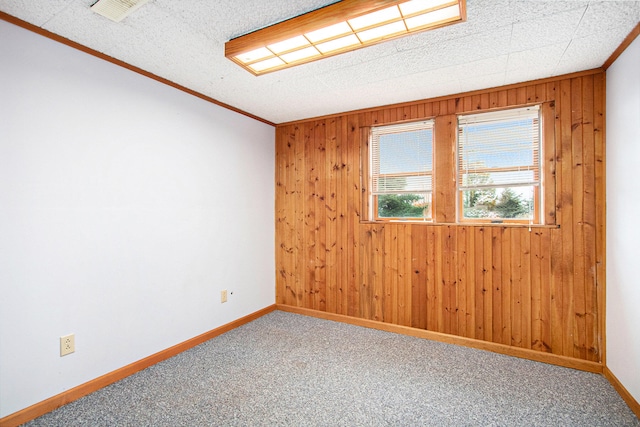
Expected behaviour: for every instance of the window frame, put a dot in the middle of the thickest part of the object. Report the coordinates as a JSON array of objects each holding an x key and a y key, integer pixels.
[
  {"x": 538, "y": 169},
  {"x": 446, "y": 199},
  {"x": 372, "y": 194}
]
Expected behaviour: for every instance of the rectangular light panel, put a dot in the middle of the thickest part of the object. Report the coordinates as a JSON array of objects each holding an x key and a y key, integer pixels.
[{"x": 340, "y": 27}]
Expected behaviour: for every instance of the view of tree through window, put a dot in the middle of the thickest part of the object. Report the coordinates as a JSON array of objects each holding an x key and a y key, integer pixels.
[{"x": 403, "y": 206}]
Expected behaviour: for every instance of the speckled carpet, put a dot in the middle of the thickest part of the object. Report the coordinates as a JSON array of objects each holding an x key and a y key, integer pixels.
[{"x": 285, "y": 369}]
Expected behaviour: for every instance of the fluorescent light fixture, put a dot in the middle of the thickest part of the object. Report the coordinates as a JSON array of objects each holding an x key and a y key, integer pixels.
[
  {"x": 341, "y": 43},
  {"x": 382, "y": 31},
  {"x": 430, "y": 18},
  {"x": 420, "y": 6},
  {"x": 340, "y": 27},
  {"x": 259, "y": 67},
  {"x": 254, "y": 55},
  {"x": 298, "y": 55},
  {"x": 288, "y": 44},
  {"x": 375, "y": 18}
]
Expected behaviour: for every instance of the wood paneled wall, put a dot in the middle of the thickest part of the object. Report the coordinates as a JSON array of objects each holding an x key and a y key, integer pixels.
[{"x": 538, "y": 288}]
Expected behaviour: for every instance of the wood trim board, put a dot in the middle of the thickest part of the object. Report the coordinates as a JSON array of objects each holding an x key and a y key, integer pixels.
[
  {"x": 553, "y": 359},
  {"x": 625, "y": 44},
  {"x": 61, "y": 399},
  {"x": 27, "y": 26},
  {"x": 622, "y": 391},
  {"x": 76, "y": 393}
]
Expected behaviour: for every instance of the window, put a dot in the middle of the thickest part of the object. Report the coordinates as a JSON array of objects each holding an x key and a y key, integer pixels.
[
  {"x": 462, "y": 169},
  {"x": 498, "y": 172},
  {"x": 401, "y": 165}
]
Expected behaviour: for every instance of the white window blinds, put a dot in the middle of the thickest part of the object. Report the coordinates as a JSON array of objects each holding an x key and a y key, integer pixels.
[
  {"x": 402, "y": 158},
  {"x": 502, "y": 148}
]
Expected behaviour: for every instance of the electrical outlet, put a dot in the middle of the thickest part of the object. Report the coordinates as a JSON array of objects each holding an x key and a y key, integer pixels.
[
  {"x": 67, "y": 344},
  {"x": 223, "y": 296}
]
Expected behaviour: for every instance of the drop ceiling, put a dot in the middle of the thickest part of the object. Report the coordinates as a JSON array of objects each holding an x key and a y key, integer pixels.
[{"x": 502, "y": 42}]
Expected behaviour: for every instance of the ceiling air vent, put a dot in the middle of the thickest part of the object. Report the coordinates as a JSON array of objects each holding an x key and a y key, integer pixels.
[{"x": 116, "y": 10}]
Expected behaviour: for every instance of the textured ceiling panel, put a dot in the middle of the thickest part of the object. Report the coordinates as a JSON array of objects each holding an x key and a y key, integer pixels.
[
  {"x": 602, "y": 16},
  {"x": 546, "y": 31},
  {"x": 34, "y": 12},
  {"x": 502, "y": 42}
]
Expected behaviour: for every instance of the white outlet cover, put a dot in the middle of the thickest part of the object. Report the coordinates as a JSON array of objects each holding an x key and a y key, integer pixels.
[{"x": 67, "y": 344}]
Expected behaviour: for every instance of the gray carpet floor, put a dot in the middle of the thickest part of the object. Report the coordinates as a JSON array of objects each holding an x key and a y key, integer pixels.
[{"x": 285, "y": 369}]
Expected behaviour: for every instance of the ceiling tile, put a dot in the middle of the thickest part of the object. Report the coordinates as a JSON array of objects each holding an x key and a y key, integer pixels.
[
  {"x": 603, "y": 16},
  {"x": 539, "y": 59},
  {"x": 34, "y": 12},
  {"x": 592, "y": 51},
  {"x": 547, "y": 30},
  {"x": 524, "y": 10},
  {"x": 502, "y": 41}
]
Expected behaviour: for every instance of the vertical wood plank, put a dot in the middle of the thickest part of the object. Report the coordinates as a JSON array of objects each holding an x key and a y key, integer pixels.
[
  {"x": 521, "y": 95},
  {"x": 460, "y": 271},
  {"x": 389, "y": 300},
  {"x": 402, "y": 255},
  {"x": 320, "y": 283},
  {"x": 484, "y": 101},
  {"x": 419, "y": 278},
  {"x": 283, "y": 287},
  {"x": 578, "y": 310},
  {"x": 600, "y": 221},
  {"x": 545, "y": 290},
  {"x": 377, "y": 272},
  {"x": 472, "y": 316},
  {"x": 467, "y": 104},
  {"x": 512, "y": 96},
  {"x": 496, "y": 266},
  {"x": 341, "y": 229},
  {"x": 537, "y": 320},
  {"x": 408, "y": 245},
  {"x": 566, "y": 195},
  {"x": 503, "y": 98},
  {"x": 475, "y": 102},
  {"x": 393, "y": 275},
  {"x": 488, "y": 271},
  {"x": 525, "y": 286},
  {"x": 331, "y": 208},
  {"x": 291, "y": 242},
  {"x": 439, "y": 281},
  {"x": 482, "y": 287},
  {"x": 516, "y": 289},
  {"x": 310, "y": 213},
  {"x": 506, "y": 282},
  {"x": 367, "y": 256},
  {"x": 300, "y": 214},
  {"x": 449, "y": 281},
  {"x": 432, "y": 280},
  {"x": 556, "y": 264},
  {"x": 589, "y": 209},
  {"x": 493, "y": 99},
  {"x": 353, "y": 213}
]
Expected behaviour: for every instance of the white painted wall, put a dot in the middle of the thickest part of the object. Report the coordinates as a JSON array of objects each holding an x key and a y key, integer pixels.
[
  {"x": 126, "y": 206},
  {"x": 623, "y": 219}
]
